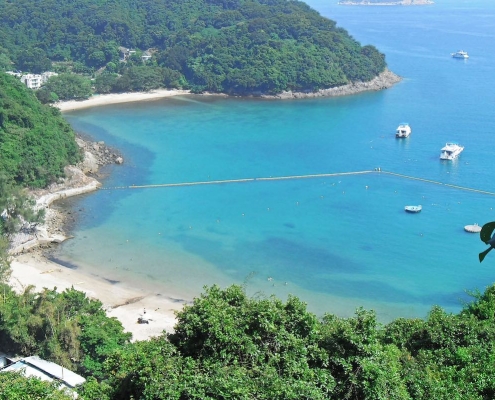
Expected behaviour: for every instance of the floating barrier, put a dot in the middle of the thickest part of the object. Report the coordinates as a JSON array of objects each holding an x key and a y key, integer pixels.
[
  {"x": 242, "y": 180},
  {"x": 292, "y": 177}
]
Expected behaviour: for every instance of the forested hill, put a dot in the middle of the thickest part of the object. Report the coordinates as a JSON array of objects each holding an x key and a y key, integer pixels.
[
  {"x": 233, "y": 46},
  {"x": 36, "y": 143}
]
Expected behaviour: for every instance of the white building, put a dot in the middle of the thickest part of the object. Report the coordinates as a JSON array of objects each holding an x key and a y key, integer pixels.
[
  {"x": 35, "y": 81},
  {"x": 32, "y": 81}
]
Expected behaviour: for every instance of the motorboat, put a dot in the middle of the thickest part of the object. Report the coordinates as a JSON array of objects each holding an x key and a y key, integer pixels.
[
  {"x": 403, "y": 130},
  {"x": 460, "y": 54},
  {"x": 413, "y": 209},
  {"x": 450, "y": 151}
]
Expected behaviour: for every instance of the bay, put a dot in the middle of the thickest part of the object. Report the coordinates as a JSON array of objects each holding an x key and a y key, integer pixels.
[{"x": 337, "y": 242}]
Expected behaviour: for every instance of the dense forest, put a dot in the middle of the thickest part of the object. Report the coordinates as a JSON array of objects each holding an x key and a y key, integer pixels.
[{"x": 231, "y": 46}]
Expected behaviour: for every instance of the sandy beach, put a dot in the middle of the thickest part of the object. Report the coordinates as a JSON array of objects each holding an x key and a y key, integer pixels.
[
  {"x": 125, "y": 303},
  {"x": 115, "y": 98}
]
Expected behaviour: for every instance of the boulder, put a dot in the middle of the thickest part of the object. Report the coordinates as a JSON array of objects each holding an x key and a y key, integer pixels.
[{"x": 90, "y": 163}]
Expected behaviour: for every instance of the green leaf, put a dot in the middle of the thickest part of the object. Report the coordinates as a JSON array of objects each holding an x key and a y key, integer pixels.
[
  {"x": 483, "y": 254},
  {"x": 487, "y": 231}
]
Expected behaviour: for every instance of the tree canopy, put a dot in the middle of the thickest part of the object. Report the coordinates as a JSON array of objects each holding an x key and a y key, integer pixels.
[
  {"x": 228, "y": 345},
  {"x": 36, "y": 143},
  {"x": 231, "y": 46}
]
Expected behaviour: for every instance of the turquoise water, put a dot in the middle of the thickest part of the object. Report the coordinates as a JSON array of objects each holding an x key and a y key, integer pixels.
[{"x": 336, "y": 242}]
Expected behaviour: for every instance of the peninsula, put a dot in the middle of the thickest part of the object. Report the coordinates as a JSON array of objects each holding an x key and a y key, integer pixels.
[
  {"x": 240, "y": 48},
  {"x": 385, "y": 2}
]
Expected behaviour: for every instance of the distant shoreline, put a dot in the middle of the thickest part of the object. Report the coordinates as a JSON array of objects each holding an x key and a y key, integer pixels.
[
  {"x": 386, "y": 3},
  {"x": 383, "y": 81}
]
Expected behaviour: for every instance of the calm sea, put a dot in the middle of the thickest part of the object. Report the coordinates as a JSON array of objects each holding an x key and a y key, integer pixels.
[{"x": 336, "y": 242}]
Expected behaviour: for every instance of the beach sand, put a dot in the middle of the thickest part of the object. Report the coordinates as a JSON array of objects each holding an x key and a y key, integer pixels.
[
  {"x": 30, "y": 266},
  {"x": 115, "y": 98},
  {"x": 125, "y": 303}
]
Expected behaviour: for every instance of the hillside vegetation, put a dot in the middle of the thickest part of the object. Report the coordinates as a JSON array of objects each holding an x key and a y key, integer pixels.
[
  {"x": 36, "y": 143},
  {"x": 232, "y": 46},
  {"x": 228, "y": 345}
]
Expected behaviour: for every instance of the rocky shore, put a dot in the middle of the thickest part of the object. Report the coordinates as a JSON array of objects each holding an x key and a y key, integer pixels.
[
  {"x": 79, "y": 179},
  {"x": 383, "y": 81}
]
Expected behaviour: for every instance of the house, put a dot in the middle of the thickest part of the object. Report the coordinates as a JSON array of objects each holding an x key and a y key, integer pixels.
[
  {"x": 125, "y": 53},
  {"x": 34, "y": 366},
  {"x": 32, "y": 81},
  {"x": 146, "y": 55},
  {"x": 35, "y": 81}
]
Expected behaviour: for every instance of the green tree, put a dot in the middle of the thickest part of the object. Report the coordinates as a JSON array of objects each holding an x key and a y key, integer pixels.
[
  {"x": 69, "y": 87},
  {"x": 33, "y": 60},
  {"x": 14, "y": 386},
  {"x": 36, "y": 143},
  {"x": 67, "y": 328},
  {"x": 5, "y": 63}
]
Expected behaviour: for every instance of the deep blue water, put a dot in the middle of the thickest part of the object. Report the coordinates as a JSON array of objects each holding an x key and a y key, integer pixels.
[{"x": 336, "y": 242}]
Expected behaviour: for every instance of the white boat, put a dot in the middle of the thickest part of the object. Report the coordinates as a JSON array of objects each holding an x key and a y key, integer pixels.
[
  {"x": 403, "y": 130},
  {"x": 413, "y": 209},
  {"x": 450, "y": 151},
  {"x": 475, "y": 228},
  {"x": 460, "y": 54}
]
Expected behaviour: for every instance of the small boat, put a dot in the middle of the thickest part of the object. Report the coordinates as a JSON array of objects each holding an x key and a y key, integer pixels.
[
  {"x": 450, "y": 151},
  {"x": 475, "y": 228},
  {"x": 413, "y": 209},
  {"x": 403, "y": 130},
  {"x": 460, "y": 54}
]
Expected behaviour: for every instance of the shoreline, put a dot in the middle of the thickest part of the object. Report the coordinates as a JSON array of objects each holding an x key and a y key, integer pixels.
[
  {"x": 116, "y": 98},
  {"x": 384, "y": 80},
  {"x": 31, "y": 264}
]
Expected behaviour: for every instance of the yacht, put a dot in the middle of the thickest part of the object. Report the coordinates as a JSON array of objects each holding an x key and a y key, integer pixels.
[
  {"x": 403, "y": 130},
  {"x": 450, "y": 151},
  {"x": 460, "y": 54}
]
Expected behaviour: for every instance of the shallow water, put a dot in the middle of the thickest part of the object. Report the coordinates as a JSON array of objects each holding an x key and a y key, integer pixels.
[{"x": 337, "y": 242}]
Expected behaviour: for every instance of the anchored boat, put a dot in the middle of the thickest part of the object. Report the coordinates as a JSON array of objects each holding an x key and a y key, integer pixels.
[
  {"x": 413, "y": 209},
  {"x": 460, "y": 54},
  {"x": 450, "y": 151},
  {"x": 403, "y": 130}
]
